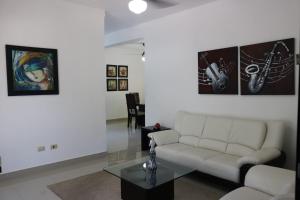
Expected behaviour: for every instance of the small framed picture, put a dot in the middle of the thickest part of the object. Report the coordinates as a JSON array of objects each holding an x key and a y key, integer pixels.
[
  {"x": 111, "y": 70},
  {"x": 111, "y": 84},
  {"x": 123, "y": 85},
  {"x": 31, "y": 70},
  {"x": 123, "y": 71}
]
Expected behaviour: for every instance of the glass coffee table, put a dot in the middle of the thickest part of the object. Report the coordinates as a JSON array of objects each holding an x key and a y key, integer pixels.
[{"x": 138, "y": 183}]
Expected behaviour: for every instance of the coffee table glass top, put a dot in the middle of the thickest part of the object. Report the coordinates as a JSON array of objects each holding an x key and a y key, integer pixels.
[{"x": 134, "y": 172}]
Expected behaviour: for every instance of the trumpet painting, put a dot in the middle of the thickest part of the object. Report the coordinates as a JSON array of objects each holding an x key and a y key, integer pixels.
[
  {"x": 31, "y": 71},
  {"x": 218, "y": 71},
  {"x": 268, "y": 68}
]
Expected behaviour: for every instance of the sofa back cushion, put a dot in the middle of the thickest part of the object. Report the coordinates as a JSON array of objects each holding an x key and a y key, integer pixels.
[
  {"x": 215, "y": 133},
  {"x": 225, "y": 134},
  {"x": 275, "y": 135},
  {"x": 178, "y": 120},
  {"x": 246, "y": 136},
  {"x": 189, "y": 140},
  {"x": 192, "y": 124}
]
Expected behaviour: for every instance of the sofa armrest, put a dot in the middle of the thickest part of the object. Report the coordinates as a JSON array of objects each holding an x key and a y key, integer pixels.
[
  {"x": 271, "y": 180},
  {"x": 165, "y": 137},
  {"x": 259, "y": 157}
]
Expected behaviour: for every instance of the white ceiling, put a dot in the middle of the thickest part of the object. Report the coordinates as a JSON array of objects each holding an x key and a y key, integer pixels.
[{"x": 117, "y": 15}]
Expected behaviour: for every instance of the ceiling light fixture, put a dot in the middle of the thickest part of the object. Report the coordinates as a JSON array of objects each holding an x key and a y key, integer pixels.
[
  {"x": 143, "y": 57},
  {"x": 137, "y": 6},
  {"x": 143, "y": 54}
]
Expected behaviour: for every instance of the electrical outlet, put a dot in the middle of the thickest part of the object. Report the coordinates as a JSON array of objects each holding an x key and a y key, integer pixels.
[
  {"x": 53, "y": 146},
  {"x": 41, "y": 148}
]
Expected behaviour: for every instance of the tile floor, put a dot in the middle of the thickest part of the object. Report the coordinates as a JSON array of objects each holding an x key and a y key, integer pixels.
[{"x": 123, "y": 144}]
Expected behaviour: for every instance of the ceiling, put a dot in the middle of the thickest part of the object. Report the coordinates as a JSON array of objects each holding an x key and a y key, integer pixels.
[{"x": 117, "y": 15}]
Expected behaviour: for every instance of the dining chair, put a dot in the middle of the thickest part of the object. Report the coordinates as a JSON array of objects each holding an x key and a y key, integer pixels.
[
  {"x": 141, "y": 107},
  {"x": 133, "y": 111}
]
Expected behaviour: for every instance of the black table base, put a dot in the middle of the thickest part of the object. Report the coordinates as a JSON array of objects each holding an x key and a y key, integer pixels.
[{"x": 130, "y": 191}]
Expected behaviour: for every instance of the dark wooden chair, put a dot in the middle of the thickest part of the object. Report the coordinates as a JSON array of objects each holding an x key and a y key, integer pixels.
[
  {"x": 141, "y": 107},
  {"x": 133, "y": 111}
]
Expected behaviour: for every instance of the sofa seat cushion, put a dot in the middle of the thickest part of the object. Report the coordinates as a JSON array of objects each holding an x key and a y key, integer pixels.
[
  {"x": 223, "y": 166},
  {"x": 185, "y": 154},
  {"x": 246, "y": 193}
]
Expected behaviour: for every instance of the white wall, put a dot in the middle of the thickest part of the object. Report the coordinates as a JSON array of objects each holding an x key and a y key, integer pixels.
[
  {"x": 171, "y": 67},
  {"x": 74, "y": 119},
  {"x": 129, "y": 55}
]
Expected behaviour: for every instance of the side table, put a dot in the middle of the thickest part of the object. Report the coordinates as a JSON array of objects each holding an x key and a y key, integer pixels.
[{"x": 145, "y": 139}]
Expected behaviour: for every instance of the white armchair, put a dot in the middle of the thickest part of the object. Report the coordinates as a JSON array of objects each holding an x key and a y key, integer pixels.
[{"x": 266, "y": 183}]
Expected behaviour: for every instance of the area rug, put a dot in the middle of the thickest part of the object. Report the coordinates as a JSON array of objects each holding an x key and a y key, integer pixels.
[{"x": 104, "y": 186}]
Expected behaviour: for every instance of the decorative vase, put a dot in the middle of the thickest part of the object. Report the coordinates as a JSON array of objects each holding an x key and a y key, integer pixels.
[{"x": 151, "y": 163}]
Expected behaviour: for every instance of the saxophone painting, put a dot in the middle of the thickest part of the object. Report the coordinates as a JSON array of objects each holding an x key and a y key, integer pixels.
[
  {"x": 218, "y": 72},
  {"x": 268, "y": 68}
]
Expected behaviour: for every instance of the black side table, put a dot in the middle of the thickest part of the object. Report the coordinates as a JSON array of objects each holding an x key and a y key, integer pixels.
[{"x": 145, "y": 139}]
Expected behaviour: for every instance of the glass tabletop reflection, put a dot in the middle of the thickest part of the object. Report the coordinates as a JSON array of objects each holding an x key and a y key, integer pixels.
[{"x": 134, "y": 171}]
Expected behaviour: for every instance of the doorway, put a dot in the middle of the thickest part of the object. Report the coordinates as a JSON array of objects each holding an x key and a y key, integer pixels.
[{"x": 125, "y": 74}]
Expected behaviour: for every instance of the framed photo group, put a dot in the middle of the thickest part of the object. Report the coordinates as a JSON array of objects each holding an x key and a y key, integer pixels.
[{"x": 117, "y": 77}]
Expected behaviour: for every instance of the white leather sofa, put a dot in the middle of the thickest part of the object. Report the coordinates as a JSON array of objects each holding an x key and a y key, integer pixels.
[
  {"x": 218, "y": 145},
  {"x": 266, "y": 183}
]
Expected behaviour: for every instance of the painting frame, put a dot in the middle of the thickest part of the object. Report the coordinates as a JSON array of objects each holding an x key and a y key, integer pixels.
[
  {"x": 111, "y": 87},
  {"x": 111, "y": 70},
  {"x": 122, "y": 84},
  {"x": 123, "y": 71},
  {"x": 41, "y": 63},
  {"x": 268, "y": 68},
  {"x": 218, "y": 71}
]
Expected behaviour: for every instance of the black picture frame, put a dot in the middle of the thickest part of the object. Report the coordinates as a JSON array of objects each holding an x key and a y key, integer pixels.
[
  {"x": 111, "y": 70},
  {"x": 218, "y": 71},
  {"x": 273, "y": 62},
  {"x": 31, "y": 71},
  {"x": 111, "y": 85},
  {"x": 122, "y": 71},
  {"x": 123, "y": 84}
]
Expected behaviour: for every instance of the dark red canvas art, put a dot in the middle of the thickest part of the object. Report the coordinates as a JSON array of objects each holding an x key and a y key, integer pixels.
[
  {"x": 218, "y": 71},
  {"x": 268, "y": 68}
]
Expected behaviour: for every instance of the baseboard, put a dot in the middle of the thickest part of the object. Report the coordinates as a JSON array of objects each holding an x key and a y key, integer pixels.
[{"x": 52, "y": 166}]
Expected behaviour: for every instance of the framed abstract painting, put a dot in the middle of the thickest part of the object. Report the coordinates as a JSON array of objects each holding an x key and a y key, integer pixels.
[
  {"x": 31, "y": 71},
  {"x": 218, "y": 71}
]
